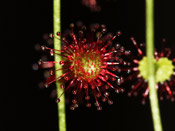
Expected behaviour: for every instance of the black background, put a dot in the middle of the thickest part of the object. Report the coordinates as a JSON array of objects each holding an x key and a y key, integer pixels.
[{"x": 30, "y": 108}]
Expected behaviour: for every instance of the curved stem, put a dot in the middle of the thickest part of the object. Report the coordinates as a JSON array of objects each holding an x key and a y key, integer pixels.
[
  {"x": 57, "y": 46},
  {"x": 151, "y": 68}
]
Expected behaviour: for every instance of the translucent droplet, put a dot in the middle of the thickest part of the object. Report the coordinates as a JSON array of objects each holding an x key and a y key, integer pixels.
[
  {"x": 40, "y": 62},
  {"x": 122, "y": 49},
  {"x": 66, "y": 78},
  {"x": 43, "y": 47},
  {"x": 61, "y": 62},
  {"x": 51, "y": 35},
  {"x": 35, "y": 66},
  {"x": 106, "y": 94},
  {"x": 122, "y": 90},
  {"x": 64, "y": 47},
  {"x": 117, "y": 91},
  {"x": 74, "y": 92},
  {"x": 87, "y": 98},
  {"x": 72, "y": 107},
  {"x": 172, "y": 99},
  {"x": 127, "y": 52},
  {"x": 110, "y": 102},
  {"x": 76, "y": 105},
  {"x": 129, "y": 94},
  {"x": 113, "y": 78},
  {"x": 51, "y": 72},
  {"x": 98, "y": 95},
  {"x": 129, "y": 64},
  {"x": 57, "y": 100},
  {"x": 106, "y": 87},
  {"x": 99, "y": 84},
  {"x": 161, "y": 98},
  {"x": 88, "y": 105},
  {"x": 97, "y": 103},
  {"x": 135, "y": 93},
  {"x": 143, "y": 102},
  {"x": 71, "y": 25},
  {"x": 74, "y": 101},
  {"x": 46, "y": 85},
  {"x": 99, "y": 108},
  {"x": 104, "y": 99},
  {"x": 51, "y": 52},
  {"x": 118, "y": 33},
  {"x": 58, "y": 33},
  {"x": 85, "y": 86},
  {"x": 62, "y": 86},
  {"x": 128, "y": 71},
  {"x": 117, "y": 46}
]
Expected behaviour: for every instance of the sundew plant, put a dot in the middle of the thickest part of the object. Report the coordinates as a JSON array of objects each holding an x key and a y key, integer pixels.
[{"x": 89, "y": 63}]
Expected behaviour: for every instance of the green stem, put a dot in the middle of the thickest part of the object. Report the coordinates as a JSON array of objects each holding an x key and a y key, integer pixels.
[
  {"x": 57, "y": 45},
  {"x": 151, "y": 68}
]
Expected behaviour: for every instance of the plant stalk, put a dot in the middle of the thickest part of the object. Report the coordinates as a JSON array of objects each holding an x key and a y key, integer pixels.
[
  {"x": 57, "y": 46},
  {"x": 151, "y": 68}
]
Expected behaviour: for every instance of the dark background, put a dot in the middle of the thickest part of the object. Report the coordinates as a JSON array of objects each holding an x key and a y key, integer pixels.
[{"x": 31, "y": 108}]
